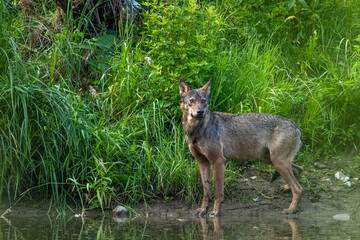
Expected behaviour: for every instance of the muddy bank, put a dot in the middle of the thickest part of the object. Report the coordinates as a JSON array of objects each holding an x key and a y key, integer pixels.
[
  {"x": 323, "y": 194},
  {"x": 329, "y": 209}
]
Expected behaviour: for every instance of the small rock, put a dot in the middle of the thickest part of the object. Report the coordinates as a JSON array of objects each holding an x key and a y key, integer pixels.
[
  {"x": 120, "y": 210},
  {"x": 319, "y": 165},
  {"x": 342, "y": 177},
  {"x": 182, "y": 220},
  {"x": 342, "y": 217},
  {"x": 253, "y": 177},
  {"x": 120, "y": 219}
]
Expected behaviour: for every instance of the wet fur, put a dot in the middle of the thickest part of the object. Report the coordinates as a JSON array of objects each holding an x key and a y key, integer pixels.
[{"x": 213, "y": 137}]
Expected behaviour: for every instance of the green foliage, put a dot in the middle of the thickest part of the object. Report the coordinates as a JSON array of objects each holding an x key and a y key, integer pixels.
[
  {"x": 35, "y": 123},
  {"x": 183, "y": 41},
  {"x": 95, "y": 118}
]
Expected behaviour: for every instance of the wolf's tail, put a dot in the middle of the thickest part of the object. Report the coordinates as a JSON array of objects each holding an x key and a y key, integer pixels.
[
  {"x": 297, "y": 170},
  {"x": 275, "y": 176}
]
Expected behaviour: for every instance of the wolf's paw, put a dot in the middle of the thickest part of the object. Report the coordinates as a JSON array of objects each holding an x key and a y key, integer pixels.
[
  {"x": 285, "y": 188},
  {"x": 200, "y": 212},
  {"x": 214, "y": 214},
  {"x": 288, "y": 211}
]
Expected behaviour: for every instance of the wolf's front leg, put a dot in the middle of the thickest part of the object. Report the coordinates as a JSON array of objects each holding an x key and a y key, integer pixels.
[
  {"x": 218, "y": 174},
  {"x": 204, "y": 167}
]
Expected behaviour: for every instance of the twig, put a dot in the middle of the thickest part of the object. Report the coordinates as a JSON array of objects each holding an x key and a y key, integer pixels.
[{"x": 250, "y": 185}]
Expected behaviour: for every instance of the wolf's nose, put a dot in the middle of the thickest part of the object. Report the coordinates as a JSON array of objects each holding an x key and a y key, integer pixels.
[{"x": 200, "y": 112}]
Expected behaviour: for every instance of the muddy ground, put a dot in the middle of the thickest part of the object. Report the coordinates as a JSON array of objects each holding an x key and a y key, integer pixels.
[
  {"x": 257, "y": 196},
  {"x": 323, "y": 194}
]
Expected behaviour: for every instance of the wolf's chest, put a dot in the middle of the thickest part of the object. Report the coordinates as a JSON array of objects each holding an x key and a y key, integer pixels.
[{"x": 195, "y": 144}]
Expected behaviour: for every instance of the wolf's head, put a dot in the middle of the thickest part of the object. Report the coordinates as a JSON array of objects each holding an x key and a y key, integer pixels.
[{"x": 195, "y": 102}]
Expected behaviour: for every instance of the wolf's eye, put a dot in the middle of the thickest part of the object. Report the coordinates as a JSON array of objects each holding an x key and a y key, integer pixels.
[
  {"x": 203, "y": 101},
  {"x": 192, "y": 101}
]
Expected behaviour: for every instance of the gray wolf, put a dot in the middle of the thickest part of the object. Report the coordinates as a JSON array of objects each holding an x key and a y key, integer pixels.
[{"x": 213, "y": 137}]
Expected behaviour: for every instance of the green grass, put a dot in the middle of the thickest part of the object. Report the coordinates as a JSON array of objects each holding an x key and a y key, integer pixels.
[{"x": 92, "y": 118}]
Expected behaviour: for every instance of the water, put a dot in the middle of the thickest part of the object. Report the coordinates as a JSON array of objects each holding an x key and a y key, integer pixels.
[{"x": 308, "y": 226}]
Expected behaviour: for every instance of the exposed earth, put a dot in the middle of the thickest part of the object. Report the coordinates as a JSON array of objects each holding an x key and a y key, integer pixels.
[{"x": 323, "y": 194}]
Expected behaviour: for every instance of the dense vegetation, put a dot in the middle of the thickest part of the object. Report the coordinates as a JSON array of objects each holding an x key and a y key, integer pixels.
[{"x": 90, "y": 115}]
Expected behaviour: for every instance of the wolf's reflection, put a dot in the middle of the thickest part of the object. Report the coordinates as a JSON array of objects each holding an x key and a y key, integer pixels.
[
  {"x": 294, "y": 229},
  {"x": 219, "y": 232}
]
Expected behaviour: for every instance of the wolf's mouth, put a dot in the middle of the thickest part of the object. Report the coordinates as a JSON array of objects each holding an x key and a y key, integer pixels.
[{"x": 198, "y": 116}]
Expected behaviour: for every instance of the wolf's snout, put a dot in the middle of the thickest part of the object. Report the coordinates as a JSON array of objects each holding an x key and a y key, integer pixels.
[{"x": 200, "y": 112}]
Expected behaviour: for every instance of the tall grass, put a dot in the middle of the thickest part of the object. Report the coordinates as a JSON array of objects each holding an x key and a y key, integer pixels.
[
  {"x": 35, "y": 124},
  {"x": 93, "y": 118}
]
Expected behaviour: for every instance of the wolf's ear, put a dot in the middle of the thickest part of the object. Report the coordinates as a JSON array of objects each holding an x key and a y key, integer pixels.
[
  {"x": 184, "y": 88},
  {"x": 206, "y": 87}
]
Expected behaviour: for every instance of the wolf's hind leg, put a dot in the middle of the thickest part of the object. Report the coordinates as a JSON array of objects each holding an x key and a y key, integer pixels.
[{"x": 297, "y": 170}]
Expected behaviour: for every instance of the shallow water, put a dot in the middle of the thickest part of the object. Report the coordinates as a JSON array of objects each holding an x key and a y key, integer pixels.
[{"x": 39, "y": 226}]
